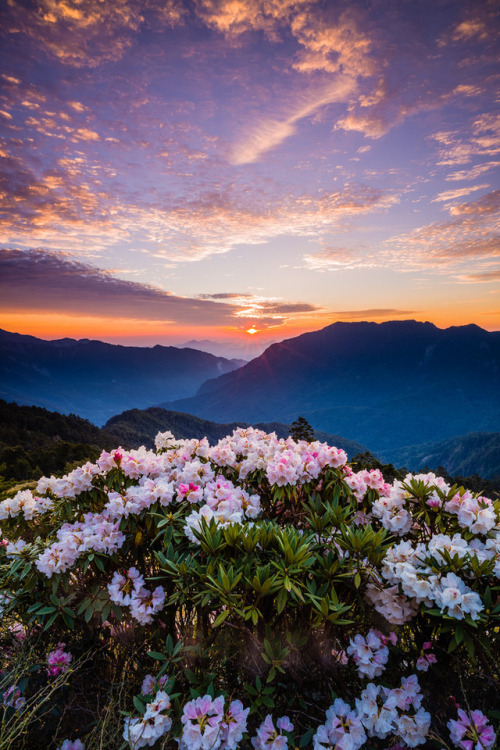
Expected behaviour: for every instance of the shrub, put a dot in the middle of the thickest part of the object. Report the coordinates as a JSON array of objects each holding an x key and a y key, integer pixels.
[{"x": 264, "y": 578}]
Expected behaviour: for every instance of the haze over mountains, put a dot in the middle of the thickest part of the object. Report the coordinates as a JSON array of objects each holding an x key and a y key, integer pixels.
[
  {"x": 386, "y": 385},
  {"x": 96, "y": 380}
]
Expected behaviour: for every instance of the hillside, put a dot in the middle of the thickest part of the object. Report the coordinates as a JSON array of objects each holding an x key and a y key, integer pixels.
[
  {"x": 96, "y": 380},
  {"x": 385, "y": 385},
  {"x": 36, "y": 442},
  {"x": 464, "y": 455},
  {"x": 139, "y": 427}
]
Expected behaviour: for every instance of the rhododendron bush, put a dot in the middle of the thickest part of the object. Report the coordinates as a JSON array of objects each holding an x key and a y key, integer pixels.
[{"x": 258, "y": 593}]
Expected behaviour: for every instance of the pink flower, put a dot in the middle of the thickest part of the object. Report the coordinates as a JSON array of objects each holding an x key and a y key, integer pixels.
[
  {"x": 58, "y": 660},
  {"x": 425, "y": 659},
  {"x": 471, "y": 732}
]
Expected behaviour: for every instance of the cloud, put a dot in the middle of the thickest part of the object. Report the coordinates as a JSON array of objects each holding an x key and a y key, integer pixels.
[
  {"x": 214, "y": 223},
  {"x": 235, "y": 17},
  {"x": 270, "y": 132},
  {"x": 225, "y": 295},
  {"x": 38, "y": 280},
  {"x": 483, "y": 277},
  {"x": 450, "y": 195},
  {"x": 88, "y": 33},
  {"x": 473, "y": 172},
  {"x": 336, "y": 259},
  {"x": 482, "y": 140},
  {"x": 471, "y": 235},
  {"x": 52, "y": 204}
]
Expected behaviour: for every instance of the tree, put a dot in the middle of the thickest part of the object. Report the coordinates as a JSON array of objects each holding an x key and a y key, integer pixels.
[{"x": 301, "y": 430}]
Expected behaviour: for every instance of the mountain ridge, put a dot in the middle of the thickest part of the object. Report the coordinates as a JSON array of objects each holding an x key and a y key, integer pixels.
[
  {"x": 383, "y": 384},
  {"x": 95, "y": 379}
]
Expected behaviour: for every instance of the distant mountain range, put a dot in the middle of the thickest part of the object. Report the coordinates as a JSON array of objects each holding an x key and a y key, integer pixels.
[
  {"x": 386, "y": 385},
  {"x": 96, "y": 380}
]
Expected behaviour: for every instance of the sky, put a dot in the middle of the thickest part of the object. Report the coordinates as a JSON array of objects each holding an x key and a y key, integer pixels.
[{"x": 242, "y": 171}]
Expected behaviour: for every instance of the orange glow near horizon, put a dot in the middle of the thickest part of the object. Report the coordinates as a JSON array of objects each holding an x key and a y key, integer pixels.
[{"x": 124, "y": 330}]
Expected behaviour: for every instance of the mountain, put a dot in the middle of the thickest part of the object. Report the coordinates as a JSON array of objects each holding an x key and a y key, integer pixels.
[
  {"x": 463, "y": 455},
  {"x": 139, "y": 427},
  {"x": 383, "y": 384},
  {"x": 96, "y": 380}
]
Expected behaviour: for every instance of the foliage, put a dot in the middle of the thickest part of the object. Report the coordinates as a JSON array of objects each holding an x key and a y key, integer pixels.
[
  {"x": 301, "y": 430},
  {"x": 263, "y": 570}
]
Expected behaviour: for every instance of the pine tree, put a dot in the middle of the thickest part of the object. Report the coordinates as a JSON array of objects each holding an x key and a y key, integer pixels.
[{"x": 301, "y": 430}]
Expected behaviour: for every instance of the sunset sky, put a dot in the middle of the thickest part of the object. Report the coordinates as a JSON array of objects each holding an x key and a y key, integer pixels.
[{"x": 196, "y": 169}]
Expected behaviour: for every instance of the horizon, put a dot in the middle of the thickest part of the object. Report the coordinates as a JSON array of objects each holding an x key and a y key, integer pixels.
[
  {"x": 244, "y": 174},
  {"x": 237, "y": 351}
]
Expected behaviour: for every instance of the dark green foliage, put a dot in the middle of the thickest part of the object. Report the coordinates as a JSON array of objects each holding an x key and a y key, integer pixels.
[
  {"x": 301, "y": 430},
  {"x": 34, "y": 441}
]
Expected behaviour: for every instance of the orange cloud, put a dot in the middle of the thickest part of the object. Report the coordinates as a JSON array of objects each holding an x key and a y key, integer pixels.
[{"x": 86, "y": 33}]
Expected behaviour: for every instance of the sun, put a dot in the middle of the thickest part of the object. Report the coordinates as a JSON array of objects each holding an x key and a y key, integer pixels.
[{"x": 252, "y": 330}]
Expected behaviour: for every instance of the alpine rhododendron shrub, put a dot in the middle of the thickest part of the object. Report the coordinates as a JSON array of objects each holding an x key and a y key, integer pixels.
[{"x": 284, "y": 598}]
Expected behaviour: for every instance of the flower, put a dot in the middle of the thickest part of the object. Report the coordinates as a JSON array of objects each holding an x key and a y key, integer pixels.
[
  {"x": 342, "y": 730},
  {"x": 58, "y": 660},
  {"x": 202, "y": 720},
  {"x": 234, "y": 724},
  {"x": 370, "y": 654},
  {"x": 471, "y": 731},
  {"x": 270, "y": 738},
  {"x": 426, "y": 657}
]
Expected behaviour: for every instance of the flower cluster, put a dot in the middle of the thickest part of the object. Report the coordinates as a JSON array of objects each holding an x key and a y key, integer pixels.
[
  {"x": 58, "y": 660},
  {"x": 411, "y": 568},
  {"x": 12, "y": 698},
  {"x": 269, "y": 737},
  {"x": 154, "y": 724},
  {"x": 150, "y": 683},
  {"x": 342, "y": 729},
  {"x": 397, "y": 712},
  {"x": 26, "y": 503},
  {"x": 95, "y": 534},
  {"x": 370, "y": 654},
  {"x": 426, "y": 657},
  {"x": 72, "y": 745},
  {"x": 129, "y": 590}
]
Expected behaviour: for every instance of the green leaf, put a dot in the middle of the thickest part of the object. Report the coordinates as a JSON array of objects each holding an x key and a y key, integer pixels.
[
  {"x": 306, "y": 738},
  {"x": 139, "y": 705},
  {"x": 157, "y": 655},
  {"x": 281, "y": 601},
  {"x": 221, "y": 617},
  {"x": 46, "y": 610}
]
